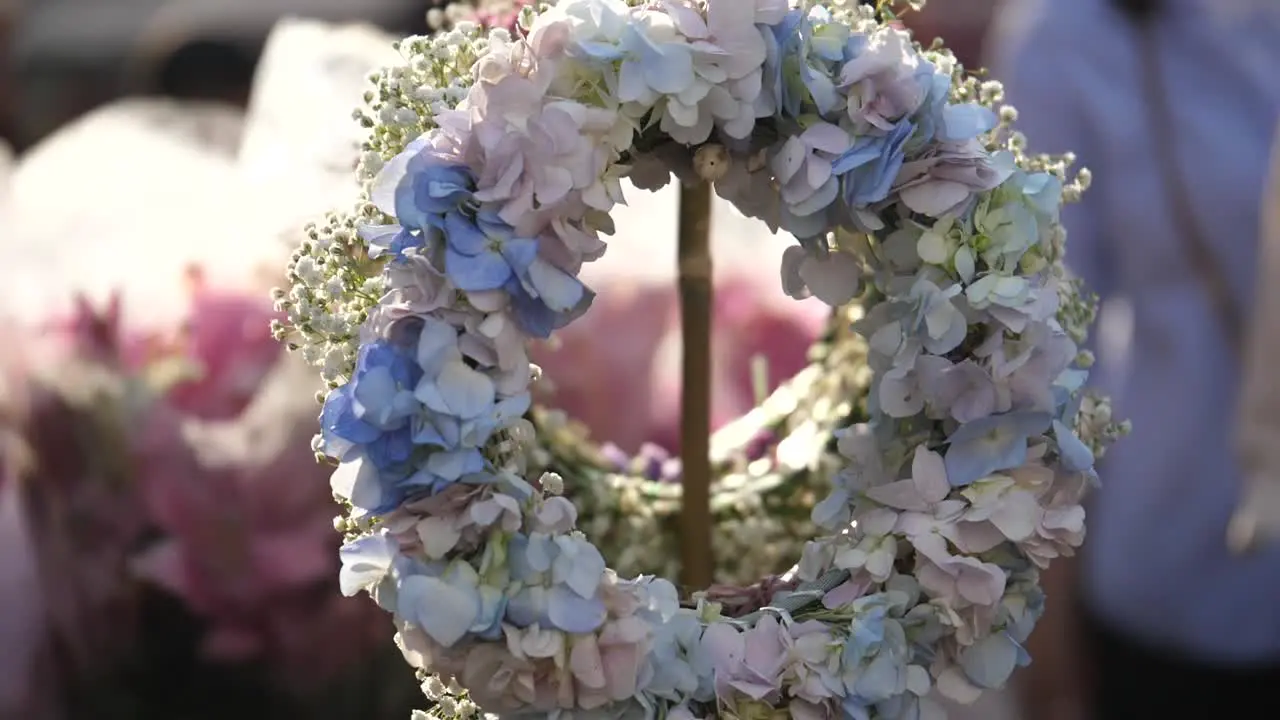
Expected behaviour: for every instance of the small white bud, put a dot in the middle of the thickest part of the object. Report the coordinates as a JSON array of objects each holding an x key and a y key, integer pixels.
[{"x": 552, "y": 483}]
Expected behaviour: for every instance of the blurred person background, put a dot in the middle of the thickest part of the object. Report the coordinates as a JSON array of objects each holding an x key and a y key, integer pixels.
[{"x": 1173, "y": 105}]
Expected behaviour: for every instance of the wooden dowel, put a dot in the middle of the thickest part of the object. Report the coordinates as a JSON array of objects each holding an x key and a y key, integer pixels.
[{"x": 696, "y": 295}]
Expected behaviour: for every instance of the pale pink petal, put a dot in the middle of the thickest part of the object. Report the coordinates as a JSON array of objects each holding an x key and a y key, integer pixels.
[
  {"x": 834, "y": 279},
  {"x": 934, "y": 197},
  {"x": 827, "y": 138},
  {"x": 621, "y": 664},
  {"x": 902, "y": 494},
  {"x": 586, "y": 663},
  {"x": 929, "y": 473},
  {"x": 980, "y": 583},
  {"x": 724, "y": 644}
]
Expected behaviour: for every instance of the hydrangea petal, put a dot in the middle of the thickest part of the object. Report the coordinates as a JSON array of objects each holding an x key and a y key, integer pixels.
[
  {"x": 485, "y": 271},
  {"x": 558, "y": 289},
  {"x": 834, "y": 279},
  {"x": 464, "y": 392},
  {"x": 365, "y": 562},
  {"x": 443, "y": 610},
  {"x": 990, "y": 662},
  {"x": 572, "y": 613},
  {"x": 1075, "y": 455}
]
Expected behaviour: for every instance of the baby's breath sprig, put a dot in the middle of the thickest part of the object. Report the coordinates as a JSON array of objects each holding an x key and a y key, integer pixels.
[
  {"x": 330, "y": 294},
  {"x": 405, "y": 100}
]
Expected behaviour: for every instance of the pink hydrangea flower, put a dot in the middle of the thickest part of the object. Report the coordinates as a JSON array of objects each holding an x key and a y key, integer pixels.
[
  {"x": 881, "y": 82},
  {"x": 958, "y": 580},
  {"x": 748, "y": 663}
]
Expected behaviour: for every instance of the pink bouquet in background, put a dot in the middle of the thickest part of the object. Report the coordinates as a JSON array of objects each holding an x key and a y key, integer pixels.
[
  {"x": 224, "y": 510},
  {"x": 499, "y": 13},
  {"x": 226, "y": 340}
]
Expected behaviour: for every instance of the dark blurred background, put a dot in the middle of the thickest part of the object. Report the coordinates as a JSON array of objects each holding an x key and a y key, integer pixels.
[{"x": 61, "y": 58}]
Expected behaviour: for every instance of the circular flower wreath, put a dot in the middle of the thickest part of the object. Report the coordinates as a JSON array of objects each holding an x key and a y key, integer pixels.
[{"x": 493, "y": 164}]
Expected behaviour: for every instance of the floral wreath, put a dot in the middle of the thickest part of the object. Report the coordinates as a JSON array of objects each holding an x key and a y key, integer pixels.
[{"x": 491, "y": 168}]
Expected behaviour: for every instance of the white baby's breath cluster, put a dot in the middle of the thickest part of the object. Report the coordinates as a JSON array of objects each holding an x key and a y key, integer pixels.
[
  {"x": 448, "y": 700},
  {"x": 328, "y": 297},
  {"x": 433, "y": 79}
]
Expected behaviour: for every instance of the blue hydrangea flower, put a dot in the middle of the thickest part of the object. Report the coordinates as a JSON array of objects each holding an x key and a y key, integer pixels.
[
  {"x": 461, "y": 400},
  {"x": 869, "y": 168},
  {"x": 366, "y": 562},
  {"x": 937, "y": 120},
  {"x": 371, "y": 413},
  {"x": 546, "y": 298},
  {"x": 832, "y": 41},
  {"x": 929, "y": 118},
  {"x": 430, "y": 189},
  {"x": 461, "y": 407},
  {"x": 442, "y": 468},
  {"x": 874, "y": 659},
  {"x": 989, "y": 662},
  {"x": 652, "y": 67},
  {"x": 389, "y": 239},
  {"x": 790, "y": 71},
  {"x": 1021, "y": 609},
  {"x": 991, "y": 444},
  {"x": 453, "y": 605},
  {"x": 482, "y": 252},
  {"x": 1074, "y": 454},
  {"x": 561, "y": 578},
  {"x": 372, "y": 491},
  {"x": 419, "y": 188},
  {"x": 485, "y": 253},
  {"x": 1042, "y": 192}
]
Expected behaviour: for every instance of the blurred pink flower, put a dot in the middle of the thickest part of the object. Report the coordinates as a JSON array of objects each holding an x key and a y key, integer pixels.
[
  {"x": 617, "y": 369},
  {"x": 229, "y": 336},
  {"x": 225, "y": 472},
  {"x": 499, "y": 13},
  {"x": 248, "y": 541},
  {"x": 235, "y": 536}
]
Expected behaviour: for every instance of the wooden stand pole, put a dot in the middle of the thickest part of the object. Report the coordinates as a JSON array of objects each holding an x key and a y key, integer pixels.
[{"x": 696, "y": 294}]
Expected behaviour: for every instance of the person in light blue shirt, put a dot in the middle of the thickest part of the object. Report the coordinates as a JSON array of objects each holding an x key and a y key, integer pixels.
[{"x": 1175, "y": 624}]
